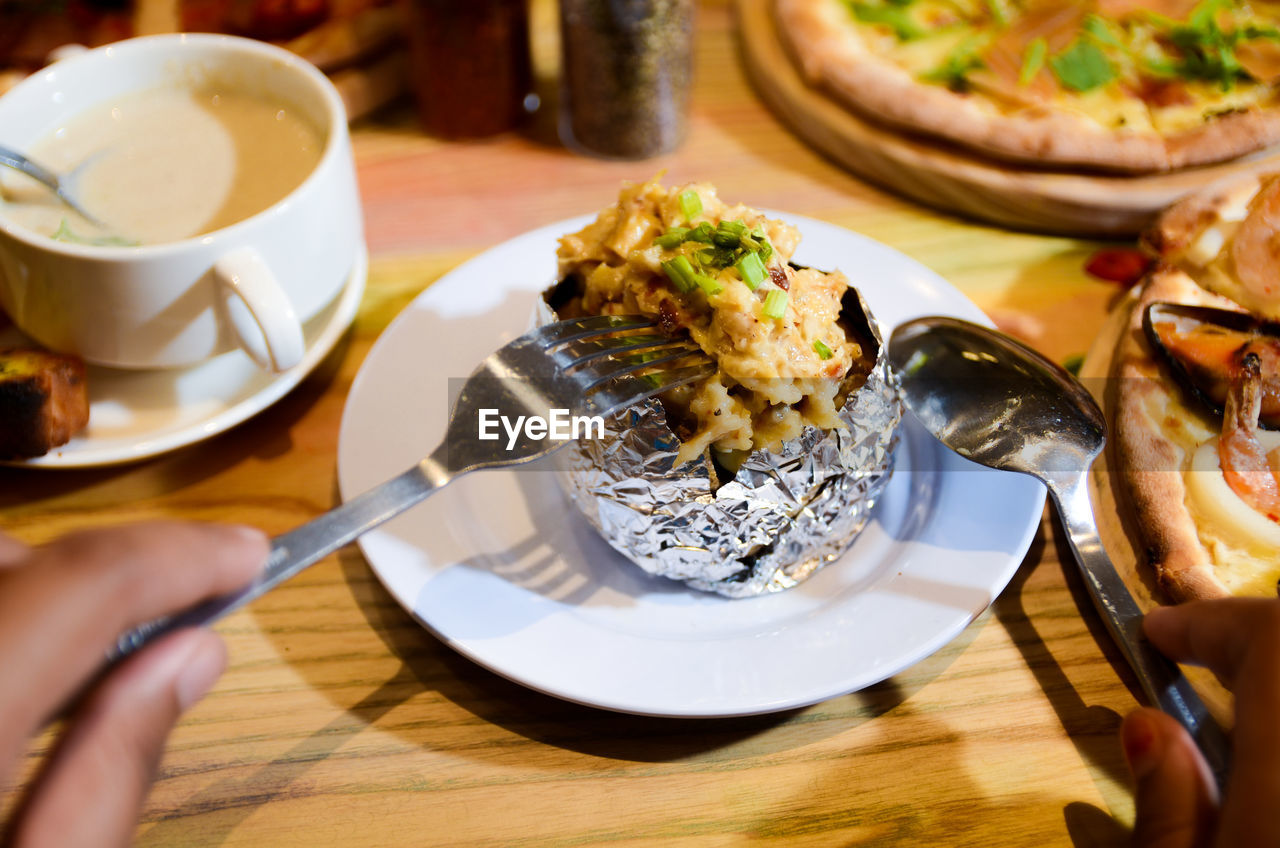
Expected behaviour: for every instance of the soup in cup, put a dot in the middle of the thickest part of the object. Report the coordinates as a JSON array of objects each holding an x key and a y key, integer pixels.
[{"x": 219, "y": 177}]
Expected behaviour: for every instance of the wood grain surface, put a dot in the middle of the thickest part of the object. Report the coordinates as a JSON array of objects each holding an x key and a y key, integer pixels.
[
  {"x": 342, "y": 722},
  {"x": 951, "y": 177}
]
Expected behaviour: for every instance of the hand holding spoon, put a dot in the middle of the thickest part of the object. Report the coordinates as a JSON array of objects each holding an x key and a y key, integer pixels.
[{"x": 1003, "y": 405}]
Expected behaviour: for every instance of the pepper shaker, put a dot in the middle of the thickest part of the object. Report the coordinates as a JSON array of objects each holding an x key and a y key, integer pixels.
[{"x": 626, "y": 70}]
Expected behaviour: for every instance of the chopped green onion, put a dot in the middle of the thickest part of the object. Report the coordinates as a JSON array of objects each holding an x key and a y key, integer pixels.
[
  {"x": 775, "y": 304},
  {"x": 681, "y": 273},
  {"x": 715, "y": 257},
  {"x": 752, "y": 270},
  {"x": 765, "y": 249},
  {"x": 690, "y": 205},
  {"x": 729, "y": 234},
  {"x": 824, "y": 352},
  {"x": 703, "y": 233},
  {"x": 709, "y": 285},
  {"x": 673, "y": 237},
  {"x": 1033, "y": 60},
  {"x": 65, "y": 233}
]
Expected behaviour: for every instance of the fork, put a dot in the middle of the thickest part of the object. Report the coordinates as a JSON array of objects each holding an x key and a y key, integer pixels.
[{"x": 592, "y": 366}]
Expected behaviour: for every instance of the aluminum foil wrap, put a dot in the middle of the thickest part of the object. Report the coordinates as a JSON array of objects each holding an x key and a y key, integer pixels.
[{"x": 782, "y": 516}]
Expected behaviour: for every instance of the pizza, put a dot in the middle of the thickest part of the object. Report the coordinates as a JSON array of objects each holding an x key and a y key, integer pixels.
[
  {"x": 1120, "y": 85},
  {"x": 1197, "y": 385}
]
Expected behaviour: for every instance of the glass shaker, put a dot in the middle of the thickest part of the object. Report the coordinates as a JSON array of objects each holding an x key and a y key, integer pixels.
[
  {"x": 627, "y": 67},
  {"x": 472, "y": 74}
]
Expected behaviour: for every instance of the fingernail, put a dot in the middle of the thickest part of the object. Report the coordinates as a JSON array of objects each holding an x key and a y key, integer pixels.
[
  {"x": 200, "y": 671},
  {"x": 1140, "y": 738},
  {"x": 249, "y": 535},
  {"x": 251, "y": 538}
]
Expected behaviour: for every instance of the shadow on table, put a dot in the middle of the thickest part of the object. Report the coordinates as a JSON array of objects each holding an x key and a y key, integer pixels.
[
  {"x": 602, "y": 733},
  {"x": 1094, "y": 730},
  {"x": 428, "y": 665},
  {"x": 831, "y": 804}
]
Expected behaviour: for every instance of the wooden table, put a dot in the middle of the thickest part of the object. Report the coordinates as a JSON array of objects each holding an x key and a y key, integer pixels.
[{"x": 342, "y": 722}]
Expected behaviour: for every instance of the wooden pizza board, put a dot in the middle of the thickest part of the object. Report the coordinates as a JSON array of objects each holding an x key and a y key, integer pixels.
[
  {"x": 951, "y": 178},
  {"x": 1110, "y": 506}
]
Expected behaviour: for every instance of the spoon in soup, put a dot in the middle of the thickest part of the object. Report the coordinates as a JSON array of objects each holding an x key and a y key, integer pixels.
[
  {"x": 60, "y": 185},
  {"x": 1001, "y": 404}
]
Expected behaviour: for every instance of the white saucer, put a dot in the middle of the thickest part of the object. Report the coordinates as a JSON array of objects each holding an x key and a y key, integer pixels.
[{"x": 138, "y": 414}]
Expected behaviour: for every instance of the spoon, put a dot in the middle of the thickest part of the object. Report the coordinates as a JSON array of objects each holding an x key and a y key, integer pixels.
[
  {"x": 59, "y": 185},
  {"x": 1001, "y": 404}
]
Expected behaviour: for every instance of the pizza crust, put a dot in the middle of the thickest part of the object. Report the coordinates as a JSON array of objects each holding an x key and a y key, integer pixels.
[
  {"x": 831, "y": 54},
  {"x": 1151, "y": 462},
  {"x": 1183, "y": 222}
]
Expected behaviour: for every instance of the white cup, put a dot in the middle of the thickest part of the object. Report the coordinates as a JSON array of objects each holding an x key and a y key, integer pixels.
[{"x": 249, "y": 285}]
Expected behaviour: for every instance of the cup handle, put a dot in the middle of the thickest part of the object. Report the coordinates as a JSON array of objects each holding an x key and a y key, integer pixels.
[{"x": 266, "y": 325}]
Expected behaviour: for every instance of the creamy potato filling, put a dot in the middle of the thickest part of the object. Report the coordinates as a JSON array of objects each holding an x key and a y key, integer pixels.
[{"x": 721, "y": 274}]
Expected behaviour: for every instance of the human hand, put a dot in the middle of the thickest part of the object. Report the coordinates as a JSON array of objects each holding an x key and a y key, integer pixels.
[
  {"x": 61, "y": 606},
  {"x": 1176, "y": 803}
]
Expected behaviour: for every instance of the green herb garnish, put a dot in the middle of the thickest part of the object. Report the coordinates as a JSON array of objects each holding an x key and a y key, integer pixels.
[
  {"x": 672, "y": 238},
  {"x": 775, "y": 304},
  {"x": 65, "y": 233},
  {"x": 703, "y": 233},
  {"x": 954, "y": 71},
  {"x": 824, "y": 352},
  {"x": 1033, "y": 60},
  {"x": 1100, "y": 31},
  {"x": 690, "y": 205},
  {"x": 729, "y": 234},
  {"x": 1205, "y": 50},
  {"x": 1082, "y": 66},
  {"x": 760, "y": 243},
  {"x": 680, "y": 272},
  {"x": 729, "y": 244},
  {"x": 708, "y": 284},
  {"x": 752, "y": 270},
  {"x": 894, "y": 17}
]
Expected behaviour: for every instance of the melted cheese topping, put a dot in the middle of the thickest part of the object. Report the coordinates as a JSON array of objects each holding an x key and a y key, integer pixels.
[
  {"x": 942, "y": 41},
  {"x": 1208, "y": 245},
  {"x": 1242, "y": 542}
]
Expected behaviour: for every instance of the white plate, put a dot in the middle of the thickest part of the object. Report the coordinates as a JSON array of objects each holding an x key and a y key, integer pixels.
[
  {"x": 138, "y": 414},
  {"x": 504, "y": 570}
]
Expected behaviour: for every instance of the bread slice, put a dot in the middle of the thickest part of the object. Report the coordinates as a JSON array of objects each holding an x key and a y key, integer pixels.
[{"x": 43, "y": 401}]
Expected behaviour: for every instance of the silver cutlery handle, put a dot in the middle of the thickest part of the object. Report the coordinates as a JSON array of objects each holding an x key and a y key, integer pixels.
[
  {"x": 26, "y": 166},
  {"x": 1163, "y": 682},
  {"x": 304, "y": 545}
]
